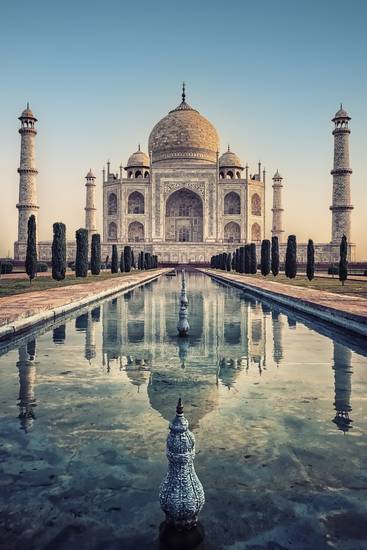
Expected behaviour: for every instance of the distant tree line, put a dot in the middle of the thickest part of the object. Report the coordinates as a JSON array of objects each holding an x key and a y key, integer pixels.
[
  {"x": 244, "y": 260},
  {"x": 125, "y": 263}
]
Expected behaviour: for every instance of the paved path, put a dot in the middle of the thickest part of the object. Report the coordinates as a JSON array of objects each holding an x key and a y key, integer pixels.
[
  {"x": 22, "y": 311},
  {"x": 349, "y": 312}
]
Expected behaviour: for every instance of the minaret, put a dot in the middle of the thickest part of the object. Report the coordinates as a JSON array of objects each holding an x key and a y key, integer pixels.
[
  {"x": 277, "y": 226},
  {"x": 27, "y": 204},
  {"x": 341, "y": 207},
  {"x": 90, "y": 203}
]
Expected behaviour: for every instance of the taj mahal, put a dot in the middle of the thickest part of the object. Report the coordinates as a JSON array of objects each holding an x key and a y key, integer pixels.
[{"x": 184, "y": 201}]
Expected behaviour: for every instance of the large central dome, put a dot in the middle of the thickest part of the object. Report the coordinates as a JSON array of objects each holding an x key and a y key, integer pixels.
[{"x": 184, "y": 134}]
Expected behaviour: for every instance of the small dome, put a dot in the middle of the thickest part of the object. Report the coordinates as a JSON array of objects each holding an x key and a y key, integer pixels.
[
  {"x": 90, "y": 175},
  {"x": 27, "y": 113},
  {"x": 342, "y": 113},
  {"x": 138, "y": 159},
  {"x": 230, "y": 160}
]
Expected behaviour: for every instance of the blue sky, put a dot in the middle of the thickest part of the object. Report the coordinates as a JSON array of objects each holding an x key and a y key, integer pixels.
[{"x": 268, "y": 74}]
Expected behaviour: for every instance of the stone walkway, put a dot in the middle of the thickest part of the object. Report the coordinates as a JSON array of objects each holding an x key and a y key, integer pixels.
[
  {"x": 22, "y": 311},
  {"x": 349, "y": 312}
]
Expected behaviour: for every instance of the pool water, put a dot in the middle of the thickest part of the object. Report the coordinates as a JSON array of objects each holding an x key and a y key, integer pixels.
[{"x": 277, "y": 404}]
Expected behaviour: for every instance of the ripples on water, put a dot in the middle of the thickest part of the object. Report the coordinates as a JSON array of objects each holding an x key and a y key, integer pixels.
[{"x": 277, "y": 406}]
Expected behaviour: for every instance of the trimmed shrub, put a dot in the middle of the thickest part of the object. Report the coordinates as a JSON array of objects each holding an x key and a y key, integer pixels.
[
  {"x": 59, "y": 251},
  {"x": 291, "y": 257},
  {"x": 253, "y": 260},
  {"x": 247, "y": 259},
  {"x": 31, "y": 255},
  {"x": 343, "y": 262},
  {"x": 81, "y": 260},
  {"x": 42, "y": 267},
  {"x": 275, "y": 256},
  {"x": 95, "y": 254},
  {"x": 122, "y": 262},
  {"x": 310, "y": 268},
  {"x": 265, "y": 257},
  {"x": 115, "y": 261},
  {"x": 233, "y": 264},
  {"x": 6, "y": 267},
  {"x": 127, "y": 258},
  {"x": 333, "y": 270}
]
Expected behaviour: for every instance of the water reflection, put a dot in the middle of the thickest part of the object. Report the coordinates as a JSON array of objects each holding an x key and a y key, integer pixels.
[
  {"x": 27, "y": 379},
  {"x": 228, "y": 338}
]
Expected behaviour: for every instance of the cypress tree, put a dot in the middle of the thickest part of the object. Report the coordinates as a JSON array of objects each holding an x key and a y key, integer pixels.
[
  {"x": 343, "y": 262},
  {"x": 228, "y": 261},
  {"x": 291, "y": 257},
  {"x": 107, "y": 258},
  {"x": 133, "y": 265},
  {"x": 31, "y": 255},
  {"x": 122, "y": 262},
  {"x": 146, "y": 260},
  {"x": 81, "y": 260},
  {"x": 58, "y": 252},
  {"x": 95, "y": 254},
  {"x": 275, "y": 256},
  {"x": 241, "y": 260},
  {"x": 246, "y": 258},
  {"x": 233, "y": 264},
  {"x": 114, "y": 261},
  {"x": 310, "y": 269},
  {"x": 253, "y": 259},
  {"x": 127, "y": 258},
  {"x": 141, "y": 256},
  {"x": 265, "y": 257}
]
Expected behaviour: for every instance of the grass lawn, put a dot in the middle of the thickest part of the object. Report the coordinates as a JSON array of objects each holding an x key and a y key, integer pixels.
[
  {"x": 9, "y": 287},
  {"x": 353, "y": 288}
]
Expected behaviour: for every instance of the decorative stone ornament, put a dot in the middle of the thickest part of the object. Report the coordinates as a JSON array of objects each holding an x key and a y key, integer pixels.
[{"x": 181, "y": 494}]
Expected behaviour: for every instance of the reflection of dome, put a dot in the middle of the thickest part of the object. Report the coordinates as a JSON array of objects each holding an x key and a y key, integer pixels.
[
  {"x": 138, "y": 159},
  {"x": 229, "y": 160},
  {"x": 200, "y": 396},
  {"x": 184, "y": 134}
]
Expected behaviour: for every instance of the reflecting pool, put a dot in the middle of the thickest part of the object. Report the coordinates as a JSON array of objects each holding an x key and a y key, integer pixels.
[{"x": 277, "y": 404}]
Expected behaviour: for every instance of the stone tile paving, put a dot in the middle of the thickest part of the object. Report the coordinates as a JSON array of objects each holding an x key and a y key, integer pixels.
[
  {"x": 21, "y": 306},
  {"x": 353, "y": 307}
]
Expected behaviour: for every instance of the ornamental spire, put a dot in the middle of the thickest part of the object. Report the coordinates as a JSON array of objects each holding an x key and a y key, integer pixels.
[{"x": 183, "y": 92}]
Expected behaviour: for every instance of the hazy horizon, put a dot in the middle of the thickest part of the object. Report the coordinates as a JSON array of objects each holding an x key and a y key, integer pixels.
[{"x": 268, "y": 76}]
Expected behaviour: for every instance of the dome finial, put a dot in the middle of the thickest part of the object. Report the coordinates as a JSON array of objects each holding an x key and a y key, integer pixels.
[
  {"x": 183, "y": 92},
  {"x": 229, "y": 150},
  {"x": 27, "y": 104},
  {"x": 138, "y": 146}
]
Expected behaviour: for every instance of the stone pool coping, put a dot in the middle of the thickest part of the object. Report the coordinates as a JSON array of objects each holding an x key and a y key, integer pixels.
[
  {"x": 348, "y": 312},
  {"x": 21, "y": 312}
]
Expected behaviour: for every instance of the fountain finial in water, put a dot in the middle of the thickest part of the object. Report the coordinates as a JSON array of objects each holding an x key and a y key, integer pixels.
[
  {"x": 181, "y": 494},
  {"x": 183, "y": 326}
]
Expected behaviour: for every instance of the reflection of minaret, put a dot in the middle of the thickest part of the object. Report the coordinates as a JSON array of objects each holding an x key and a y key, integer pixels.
[
  {"x": 277, "y": 338},
  {"x": 27, "y": 377},
  {"x": 343, "y": 386},
  {"x": 90, "y": 340}
]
